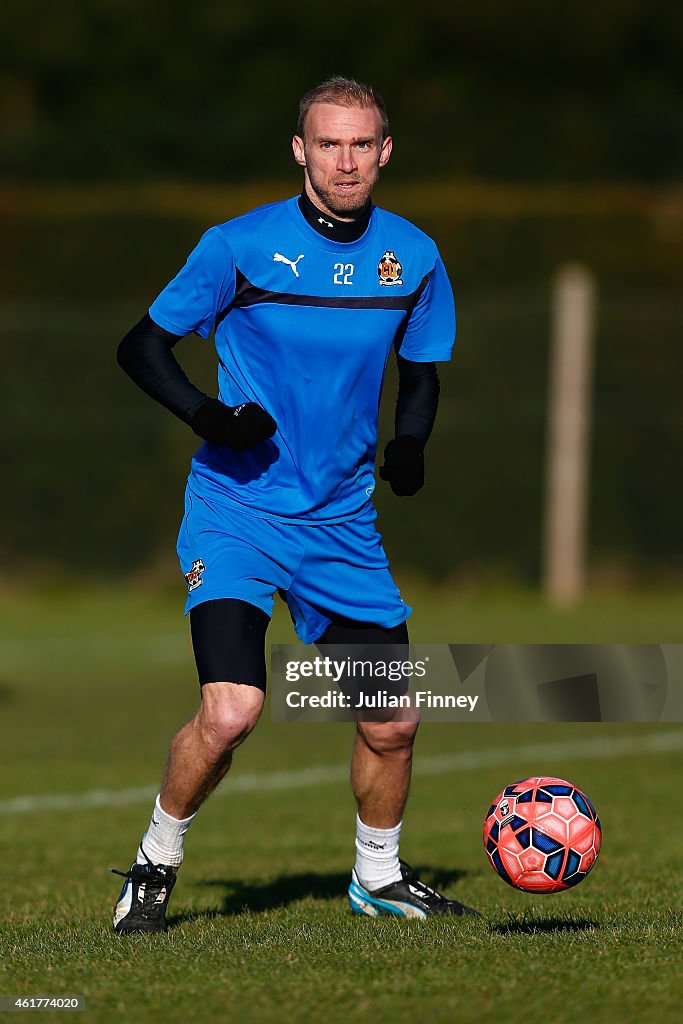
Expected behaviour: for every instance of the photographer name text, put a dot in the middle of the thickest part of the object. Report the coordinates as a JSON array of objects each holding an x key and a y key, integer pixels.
[{"x": 381, "y": 699}]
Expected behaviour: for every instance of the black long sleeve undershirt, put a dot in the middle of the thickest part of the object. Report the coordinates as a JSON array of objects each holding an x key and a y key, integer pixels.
[
  {"x": 146, "y": 356},
  {"x": 418, "y": 399}
]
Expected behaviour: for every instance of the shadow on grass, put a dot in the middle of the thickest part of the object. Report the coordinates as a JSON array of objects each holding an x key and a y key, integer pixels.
[
  {"x": 544, "y": 925},
  {"x": 254, "y": 897}
]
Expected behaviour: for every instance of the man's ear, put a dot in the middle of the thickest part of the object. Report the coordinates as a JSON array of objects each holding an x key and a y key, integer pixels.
[
  {"x": 385, "y": 151},
  {"x": 299, "y": 150}
]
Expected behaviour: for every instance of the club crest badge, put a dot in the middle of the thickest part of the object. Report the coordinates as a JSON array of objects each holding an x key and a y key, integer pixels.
[
  {"x": 194, "y": 576},
  {"x": 389, "y": 269}
]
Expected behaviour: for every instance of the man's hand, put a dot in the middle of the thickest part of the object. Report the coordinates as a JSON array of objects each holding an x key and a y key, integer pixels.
[
  {"x": 404, "y": 466},
  {"x": 240, "y": 427}
]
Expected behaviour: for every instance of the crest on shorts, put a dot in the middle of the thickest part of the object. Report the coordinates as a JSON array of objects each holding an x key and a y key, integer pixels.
[
  {"x": 389, "y": 269},
  {"x": 194, "y": 576}
]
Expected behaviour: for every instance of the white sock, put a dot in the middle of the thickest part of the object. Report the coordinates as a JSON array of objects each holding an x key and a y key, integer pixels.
[
  {"x": 377, "y": 855},
  {"x": 163, "y": 840}
]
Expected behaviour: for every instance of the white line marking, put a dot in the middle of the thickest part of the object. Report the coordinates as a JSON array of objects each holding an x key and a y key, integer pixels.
[{"x": 545, "y": 754}]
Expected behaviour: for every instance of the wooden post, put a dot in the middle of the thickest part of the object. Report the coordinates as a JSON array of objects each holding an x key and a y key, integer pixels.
[{"x": 568, "y": 443}]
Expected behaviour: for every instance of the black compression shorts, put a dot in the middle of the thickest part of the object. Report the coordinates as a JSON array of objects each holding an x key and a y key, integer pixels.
[{"x": 228, "y": 637}]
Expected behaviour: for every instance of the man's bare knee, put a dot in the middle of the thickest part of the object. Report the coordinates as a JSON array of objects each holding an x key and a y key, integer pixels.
[
  {"x": 228, "y": 713},
  {"x": 391, "y": 738}
]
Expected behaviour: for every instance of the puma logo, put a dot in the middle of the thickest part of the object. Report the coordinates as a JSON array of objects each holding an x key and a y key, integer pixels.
[{"x": 279, "y": 258}]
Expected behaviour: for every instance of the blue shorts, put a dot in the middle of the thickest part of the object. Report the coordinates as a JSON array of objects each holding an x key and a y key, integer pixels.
[{"x": 323, "y": 572}]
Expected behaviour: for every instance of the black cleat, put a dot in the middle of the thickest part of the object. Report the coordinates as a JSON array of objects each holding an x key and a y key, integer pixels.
[
  {"x": 408, "y": 898},
  {"x": 141, "y": 907}
]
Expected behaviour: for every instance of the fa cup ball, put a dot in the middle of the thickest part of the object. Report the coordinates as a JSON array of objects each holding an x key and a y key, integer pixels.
[{"x": 542, "y": 835}]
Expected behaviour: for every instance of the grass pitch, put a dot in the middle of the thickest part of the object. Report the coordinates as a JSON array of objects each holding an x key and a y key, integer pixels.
[{"x": 93, "y": 685}]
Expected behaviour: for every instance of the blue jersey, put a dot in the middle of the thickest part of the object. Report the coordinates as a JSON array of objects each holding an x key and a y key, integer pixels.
[{"x": 304, "y": 327}]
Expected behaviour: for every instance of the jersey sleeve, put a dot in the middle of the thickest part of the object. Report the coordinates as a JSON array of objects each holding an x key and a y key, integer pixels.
[
  {"x": 430, "y": 332},
  {"x": 200, "y": 290}
]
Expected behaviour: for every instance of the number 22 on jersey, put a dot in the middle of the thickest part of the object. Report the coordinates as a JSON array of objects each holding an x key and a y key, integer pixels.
[{"x": 343, "y": 272}]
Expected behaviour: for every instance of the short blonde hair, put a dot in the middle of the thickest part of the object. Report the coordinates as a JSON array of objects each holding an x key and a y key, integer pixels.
[{"x": 345, "y": 92}]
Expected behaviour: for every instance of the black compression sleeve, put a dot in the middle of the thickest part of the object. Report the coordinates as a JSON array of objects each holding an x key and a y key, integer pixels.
[
  {"x": 418, "y": 399},
  {"x": 145, "y": 355}
]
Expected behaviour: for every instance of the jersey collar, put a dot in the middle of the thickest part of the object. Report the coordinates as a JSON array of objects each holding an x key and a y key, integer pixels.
[
  {"x": 331, "y": 227},
  {"x": 324, "y": 241}
]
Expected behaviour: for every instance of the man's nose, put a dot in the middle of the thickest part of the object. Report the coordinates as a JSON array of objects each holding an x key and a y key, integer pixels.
[{"x": 346, "y": 161}]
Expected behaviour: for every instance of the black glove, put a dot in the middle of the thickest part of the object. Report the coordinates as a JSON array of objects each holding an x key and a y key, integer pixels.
[
  {"x": 404, "y": 465},
  {"x": 240, "y": 427}
]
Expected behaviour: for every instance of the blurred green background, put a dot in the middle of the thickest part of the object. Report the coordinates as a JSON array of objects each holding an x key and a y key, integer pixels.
[{"x": 526, "y": 136}]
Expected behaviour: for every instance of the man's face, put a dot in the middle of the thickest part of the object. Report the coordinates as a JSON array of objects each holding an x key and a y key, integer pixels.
[{"x": 341, "y": 155}]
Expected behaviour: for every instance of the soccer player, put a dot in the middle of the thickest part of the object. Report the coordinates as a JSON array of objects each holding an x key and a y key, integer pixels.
[{"x": 307, "y": 298}]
